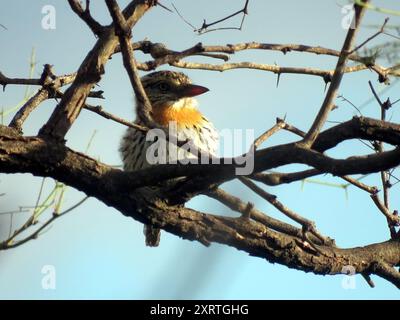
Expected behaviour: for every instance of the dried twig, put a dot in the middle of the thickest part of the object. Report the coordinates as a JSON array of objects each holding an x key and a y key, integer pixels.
[
  {"x": 381, "y": 30},
  {"x": 10, "y": 243},
  {"x": 308, "y": 225},
  {"x": 384, "y": 208},
  {"x": 205, "y": 26},
  {"x": 278, "y": 126},
  {"x": 325, "y": 74},
  {"x": 236, "y": 204},
  {"x": 393, "y": 220},
  {"x": 24, "y": 112},
  {"x": 58, "y": 82},
  {"x": 100, "y": 111}
]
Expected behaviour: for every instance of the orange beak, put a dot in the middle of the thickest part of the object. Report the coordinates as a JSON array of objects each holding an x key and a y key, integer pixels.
[{"x": 192, "y": 90}]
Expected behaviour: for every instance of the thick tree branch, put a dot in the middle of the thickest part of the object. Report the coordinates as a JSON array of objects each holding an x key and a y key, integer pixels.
[
  {"x": 117, "y": 188},
  {"x": 307, "y": 225},
  {"x": 24, "y": 112},
  {"x": 89, "y": 74},
  {"x": 254, "y": 232},
  {"x": 387, "y": 272}
]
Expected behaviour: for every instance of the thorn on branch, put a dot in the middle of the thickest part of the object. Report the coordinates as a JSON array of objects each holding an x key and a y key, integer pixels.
[
  {"x": 327, "y": 79},
  {"x": 278, "y": 78},
  {"x": 383, "y": 79},
  {"x": 286, "y": 50},
  {"x": 387, "y": 104},
  {"x": 47, "y": 73},
  {"x": 157, "y": 3}
]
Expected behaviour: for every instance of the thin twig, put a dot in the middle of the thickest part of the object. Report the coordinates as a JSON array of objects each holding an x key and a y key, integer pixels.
[
  {"x": 236, "y": 204},
  {"x": 254, "y": 66},
  {"x": 100, "y": 111},
  {"x": 123, "y": 32},
  {"x": 392, "y": 219},
  {"x": 183, "y": 18},
  {"x": 278, "y": 126},
  {"x": 384, "y": 208},
  {"x": 381, "y": 30},
  {"x": 360, "y": 185},
  {"x": 8, "y": 244},
  {"x": 24, "y": 112},
  {"x": 205, "y": 26}
]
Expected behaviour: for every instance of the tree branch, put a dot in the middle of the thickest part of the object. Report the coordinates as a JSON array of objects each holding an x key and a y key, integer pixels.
[
  {"x": 236, "y": 204},
  {"x": 85, "y": 15},
  {"x": 123, "y": 32},
  {"x": 307, "y": 225},
  {"x": 88, "y": 75},
  {"x": 336, "y": 79},
  {"x": 117, "y": 189}
]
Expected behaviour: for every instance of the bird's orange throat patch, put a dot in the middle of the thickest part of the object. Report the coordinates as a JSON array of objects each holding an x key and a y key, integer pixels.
[{"x": 187, "y": 116}]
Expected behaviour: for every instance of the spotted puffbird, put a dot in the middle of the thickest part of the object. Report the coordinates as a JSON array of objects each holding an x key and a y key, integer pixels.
[{"x": 171, "y": 97}]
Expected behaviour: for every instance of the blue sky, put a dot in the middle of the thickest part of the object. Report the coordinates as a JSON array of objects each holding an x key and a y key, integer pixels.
[{"x": 99, "y": 253}]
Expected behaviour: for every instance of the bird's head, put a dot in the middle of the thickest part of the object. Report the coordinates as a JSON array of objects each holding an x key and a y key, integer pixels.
[{"x": 170, "y": 89}]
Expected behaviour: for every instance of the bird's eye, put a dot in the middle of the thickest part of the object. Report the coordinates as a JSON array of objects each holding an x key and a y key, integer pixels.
[{"x": 163, "y": 86}]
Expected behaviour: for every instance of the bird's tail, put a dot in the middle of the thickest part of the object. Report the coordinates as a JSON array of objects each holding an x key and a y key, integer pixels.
[{"x": 152, "y": 235}]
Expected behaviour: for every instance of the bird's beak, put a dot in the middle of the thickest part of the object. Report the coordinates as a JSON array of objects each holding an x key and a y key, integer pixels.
[{"x": 192, "y": 90}]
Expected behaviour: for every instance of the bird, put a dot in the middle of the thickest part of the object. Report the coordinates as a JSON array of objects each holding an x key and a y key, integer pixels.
[{"x": 171, "y": 95}]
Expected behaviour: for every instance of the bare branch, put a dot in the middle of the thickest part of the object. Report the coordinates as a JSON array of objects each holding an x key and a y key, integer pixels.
[
  {"x": 10, "y": 243},
  {"x": 85, "y": 15},
  {"x": 277, "y": 178},
  {"x": 360, "y": 185},
  {"x": 205, "y": 26},
  {"x": 51, "y": 158},
  {"x": 336, "y": 80},
  {"x": 123, "y": 32},
  {"x": 278, "y": 126},
  {"x": 325, "y": 74},
  {"x": 393, "y": 220},
  {"x": 384, "y": 208},
  {"x": 303, "y": 248},
  {"x": 88, "y": 75},
  {"x": 234, "y": 203},
  {"x": 387, "y": 272},
  {"x": 27, "y": 108},
  {"x": 57, "y": 82},
  {"x": 381, "y": 30},
  {"x": 308, "y": 225}
]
